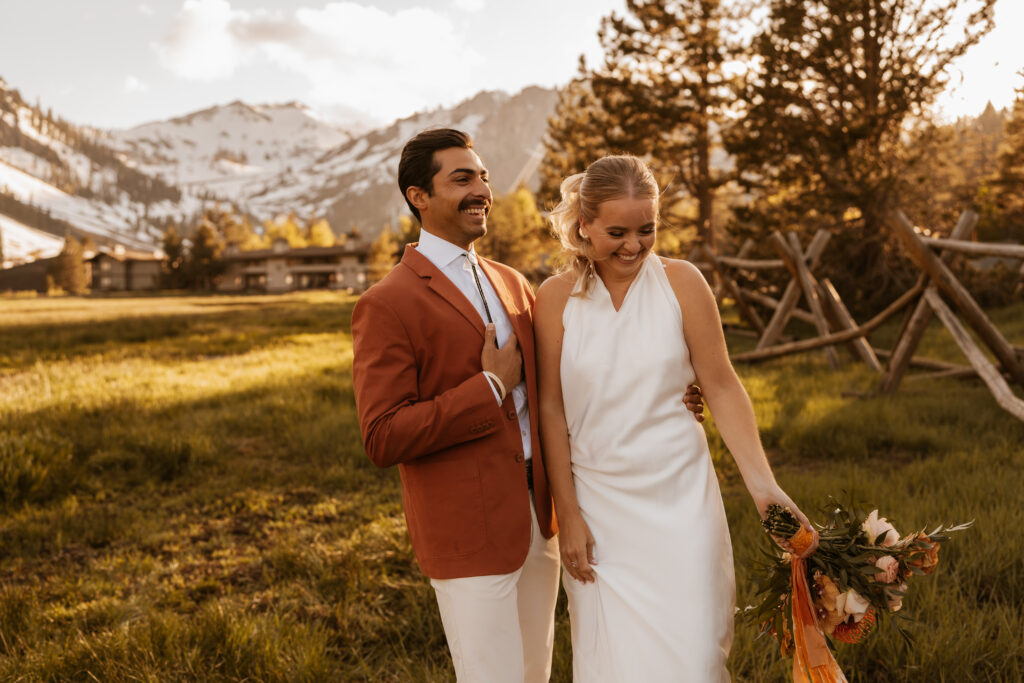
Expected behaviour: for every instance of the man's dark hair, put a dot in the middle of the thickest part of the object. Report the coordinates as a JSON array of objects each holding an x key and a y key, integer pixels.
[{"x": 418, "y": 167}]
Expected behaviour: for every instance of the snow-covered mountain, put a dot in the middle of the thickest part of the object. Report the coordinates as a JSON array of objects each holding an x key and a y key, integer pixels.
[
  {"x": 225, "y": 149},
  {"x": 124, "y": 186},
  {"x": 355, "y": 183},
  {"x": 58, "y": 178}
]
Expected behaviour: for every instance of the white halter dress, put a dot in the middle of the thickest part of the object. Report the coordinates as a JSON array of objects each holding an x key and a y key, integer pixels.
[{"x": 662, "y": 606}]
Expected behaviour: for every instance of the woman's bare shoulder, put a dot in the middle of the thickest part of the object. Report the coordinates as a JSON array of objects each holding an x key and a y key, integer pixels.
[
  {"x": 683, "y": 275},
  {"x": 558, "y": 287}
]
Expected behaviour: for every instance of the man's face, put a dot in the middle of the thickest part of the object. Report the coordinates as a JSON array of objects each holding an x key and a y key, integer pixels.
[{"x": 457, "y": 208}]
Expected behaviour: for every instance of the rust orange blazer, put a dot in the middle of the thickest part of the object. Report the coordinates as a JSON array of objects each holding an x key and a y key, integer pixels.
[{"x": 425, "y": 405}]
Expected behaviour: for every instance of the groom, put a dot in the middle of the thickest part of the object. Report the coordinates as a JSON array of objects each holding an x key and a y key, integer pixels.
[{"x": 446, "y": 388}]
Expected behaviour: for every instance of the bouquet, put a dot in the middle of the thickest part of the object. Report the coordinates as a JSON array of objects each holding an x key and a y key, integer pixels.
[{"x": 856, "y": 578}]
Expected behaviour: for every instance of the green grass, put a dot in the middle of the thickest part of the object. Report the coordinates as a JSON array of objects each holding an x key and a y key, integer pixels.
[{"x": 184, "y": 496}]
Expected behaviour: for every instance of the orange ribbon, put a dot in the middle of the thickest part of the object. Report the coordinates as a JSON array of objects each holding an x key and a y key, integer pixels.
[{"x": 812, "y": 660}]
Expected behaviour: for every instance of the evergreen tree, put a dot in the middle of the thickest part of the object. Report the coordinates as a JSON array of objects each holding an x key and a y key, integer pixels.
[
  {"x": 320, "y": 234},
  {"x": 837, "y": 86},
  {"x": 68, "y": 269},
  {"x": 575, "y": 136},
  {"x": 174, "y": 266},
  {"x": 661, "y": 93},
  {"x": 381, "y": 256},
  {"x": 204, "y": 259},
  {"x": 517, "y": 235},
  {"x": 1009, "y": 181}
]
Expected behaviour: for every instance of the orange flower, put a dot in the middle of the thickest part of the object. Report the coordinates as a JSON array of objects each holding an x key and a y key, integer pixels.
[
  {"x": 927, "y": 559},
  {"x": 855, "y": 631}
]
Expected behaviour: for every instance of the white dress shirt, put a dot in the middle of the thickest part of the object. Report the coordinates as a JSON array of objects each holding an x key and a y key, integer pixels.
[{"x": 453, "y": 261}]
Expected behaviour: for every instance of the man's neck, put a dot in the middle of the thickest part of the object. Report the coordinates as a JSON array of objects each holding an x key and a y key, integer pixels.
[{"x": 441, "y": 236}]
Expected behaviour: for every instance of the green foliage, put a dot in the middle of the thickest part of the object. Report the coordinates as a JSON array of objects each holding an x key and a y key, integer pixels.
[
  {"x": 1010, "y": 177},
  {"x": 517, "y": 235},
  {"x": 839, "y": 87},
  {"x": 383, "y": 255},
  {"x": 68, "y": 269},
  {"x": 660, "y": 93}
]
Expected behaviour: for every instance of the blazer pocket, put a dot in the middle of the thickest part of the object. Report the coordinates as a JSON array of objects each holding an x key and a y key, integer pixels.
[{"x": 447, "y": 504}]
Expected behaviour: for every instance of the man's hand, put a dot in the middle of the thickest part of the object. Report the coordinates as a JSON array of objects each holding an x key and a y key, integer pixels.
[
  {"x": 506, "y": 362},
  {"x": 694, "y": 401}
]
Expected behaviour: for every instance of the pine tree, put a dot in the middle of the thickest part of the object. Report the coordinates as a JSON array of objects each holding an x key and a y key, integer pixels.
[
  {"x": 661, "y": 93},
  {"x": 575, "y": 137},
  {"x": 204, "y": 259},
  {"x": 68, "y": 269},
  {"x": 517, "y": 235},
  {"x": 1009, "y": 182},
  {"x": 381, "y": 257},
  {"x": 174, "y": 266},
  {"x": 837, "y": 87}
]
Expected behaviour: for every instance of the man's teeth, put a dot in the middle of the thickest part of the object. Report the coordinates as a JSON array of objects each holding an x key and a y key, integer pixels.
[{"x": 477, "y": 211}]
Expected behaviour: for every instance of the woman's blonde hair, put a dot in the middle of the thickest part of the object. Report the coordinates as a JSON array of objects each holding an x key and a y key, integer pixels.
[{"x": 612, "y": 177}]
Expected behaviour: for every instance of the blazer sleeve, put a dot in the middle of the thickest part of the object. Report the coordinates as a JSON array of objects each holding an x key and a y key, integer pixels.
[{"x": 397, "y": 424}]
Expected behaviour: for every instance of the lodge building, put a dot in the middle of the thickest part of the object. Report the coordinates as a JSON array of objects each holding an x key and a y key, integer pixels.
[{"x": 282, "y": 268}]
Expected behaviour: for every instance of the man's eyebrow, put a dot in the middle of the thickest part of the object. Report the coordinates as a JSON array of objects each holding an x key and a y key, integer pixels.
[{"x": 471, "y": 171}]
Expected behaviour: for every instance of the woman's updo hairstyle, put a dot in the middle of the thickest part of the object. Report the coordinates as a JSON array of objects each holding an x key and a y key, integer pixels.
[{"x": 612, "y": 177}]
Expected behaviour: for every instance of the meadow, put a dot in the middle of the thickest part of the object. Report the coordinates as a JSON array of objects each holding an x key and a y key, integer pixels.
[{"x": 184, "y": 496}]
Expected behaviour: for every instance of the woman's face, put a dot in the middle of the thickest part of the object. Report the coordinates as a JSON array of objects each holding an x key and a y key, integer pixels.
[{"x": 622, "y": 234}]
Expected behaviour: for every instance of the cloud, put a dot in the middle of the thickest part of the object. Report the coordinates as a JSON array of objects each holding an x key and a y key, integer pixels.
[
  {"x": 387, "y": 63},
  {"x": 134, "y": 85},
  {"x": 468, "y": 5}
]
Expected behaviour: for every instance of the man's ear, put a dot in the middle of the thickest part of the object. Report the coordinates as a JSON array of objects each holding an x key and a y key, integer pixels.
[{"x": 417, "y": 196}]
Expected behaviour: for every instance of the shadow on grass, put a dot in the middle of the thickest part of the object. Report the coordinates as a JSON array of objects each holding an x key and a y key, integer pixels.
[{"x": 245, "y": 327}]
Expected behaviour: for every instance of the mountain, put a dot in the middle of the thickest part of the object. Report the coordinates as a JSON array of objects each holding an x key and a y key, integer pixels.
[
  {"x": 356, "y": 183},
  {"x": 125, "y": 186},
  {"x": 225, "y": 149},
  {"x": 57, "y": 178}
]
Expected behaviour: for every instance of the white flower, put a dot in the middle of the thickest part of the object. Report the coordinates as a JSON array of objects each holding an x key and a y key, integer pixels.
[
  {"x": 851, "y": 604},
  {"x": 874, "y": 526}
]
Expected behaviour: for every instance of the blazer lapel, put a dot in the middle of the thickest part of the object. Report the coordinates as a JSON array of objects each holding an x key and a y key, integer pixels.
[
  {"x": 498, "y": 282},
  {"x": 440, "y": 284}
]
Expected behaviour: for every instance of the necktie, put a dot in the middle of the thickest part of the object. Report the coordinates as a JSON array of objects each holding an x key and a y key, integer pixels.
[{"x": 476, "y": 277}]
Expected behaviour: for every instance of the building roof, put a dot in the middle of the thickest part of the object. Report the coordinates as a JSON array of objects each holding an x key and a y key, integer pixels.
[{"x": 336, "y": 250}]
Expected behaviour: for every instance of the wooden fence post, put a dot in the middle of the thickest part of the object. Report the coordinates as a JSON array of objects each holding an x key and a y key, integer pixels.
[
  {"x": 913, "y": 330},
  {"x": 791, "y": 296},
  {"x": 941, "y": 275}
]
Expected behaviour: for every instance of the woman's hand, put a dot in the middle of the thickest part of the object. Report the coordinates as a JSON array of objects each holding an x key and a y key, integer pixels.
[
  {"x": 775, "y": 494},
  {"x": 576, "y": 546}
]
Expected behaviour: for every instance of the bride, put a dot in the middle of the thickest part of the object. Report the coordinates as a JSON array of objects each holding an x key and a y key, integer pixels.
[{"x": 643, "y": 534}]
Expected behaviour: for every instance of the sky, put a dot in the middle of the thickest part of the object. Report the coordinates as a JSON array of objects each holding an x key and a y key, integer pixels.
[{"x": 120, "y": 63}]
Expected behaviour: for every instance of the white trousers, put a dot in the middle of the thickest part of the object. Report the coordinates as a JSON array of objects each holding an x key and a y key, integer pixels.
[{"x": 501, "y": 628}]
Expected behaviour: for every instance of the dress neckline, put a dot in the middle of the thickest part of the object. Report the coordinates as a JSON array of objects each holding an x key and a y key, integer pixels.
[{"x": 629, "y": 290}]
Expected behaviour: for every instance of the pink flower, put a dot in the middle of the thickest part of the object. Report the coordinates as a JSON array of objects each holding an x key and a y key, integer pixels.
[
  {"x": 874, "y": 526},
  {"x": 890, "y": 569}
]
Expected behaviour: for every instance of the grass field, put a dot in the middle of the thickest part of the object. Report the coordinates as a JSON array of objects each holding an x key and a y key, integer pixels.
[{"x": 184, "y": 496}]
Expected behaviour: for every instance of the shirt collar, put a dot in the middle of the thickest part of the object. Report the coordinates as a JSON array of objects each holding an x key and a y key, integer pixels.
[{"x": 440, "y": 251}]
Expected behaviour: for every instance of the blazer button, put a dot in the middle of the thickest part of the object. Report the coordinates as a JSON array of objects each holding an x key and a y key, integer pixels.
[
  {"x": 510, "y": 414},
  {"x": 519, "y": 457}
]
